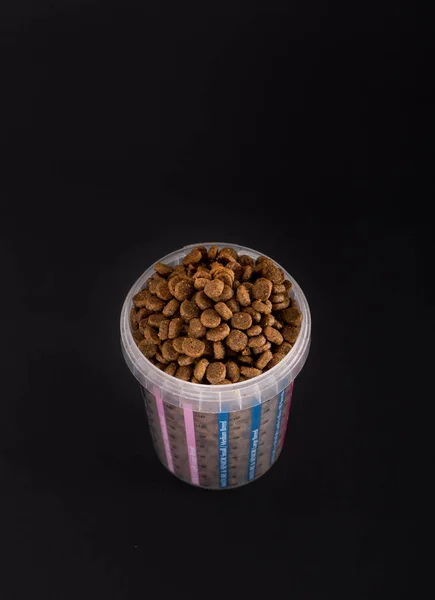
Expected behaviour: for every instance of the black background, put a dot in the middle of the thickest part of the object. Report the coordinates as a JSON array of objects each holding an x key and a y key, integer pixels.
[{"x": 131, "y": 129}]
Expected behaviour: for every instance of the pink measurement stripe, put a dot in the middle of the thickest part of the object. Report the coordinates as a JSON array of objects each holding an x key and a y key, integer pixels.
[
  {"x": 164, "y": 430},
  {"x": 191, "y": 443},
  {"x": 290, "y": 393}
]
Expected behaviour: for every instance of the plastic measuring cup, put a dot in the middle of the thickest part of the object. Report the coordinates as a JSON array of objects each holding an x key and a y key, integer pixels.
[{"x": 217, "y": 436}]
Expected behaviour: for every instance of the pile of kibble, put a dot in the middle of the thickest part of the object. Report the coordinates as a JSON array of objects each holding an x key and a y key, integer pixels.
[{"x": 217, "y": 318}]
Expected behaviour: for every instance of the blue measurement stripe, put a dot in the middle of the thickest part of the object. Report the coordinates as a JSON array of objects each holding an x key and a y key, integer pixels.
[
  {"x": 279, "y": 413},
  {"x": 223, "y": 449},
  {"x": 255, "y": 435}
]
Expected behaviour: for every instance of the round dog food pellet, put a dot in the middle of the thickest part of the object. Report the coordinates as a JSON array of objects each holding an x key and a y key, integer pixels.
[
  {"x": 241, "y": 320},
  {"x": 227, "y": 254},
  {"x": 161, "y": 358},
  {"x": 153, "y": 282},
  {"x": 288, "y": 285},
  {"x": 175, "y": 328},
  {"x": 274, "y": 273},
  {"x": 163, "y": 269},
  {"x": 262, "y": 307},
  {"x": 171, "y": 308},
  {"x": 243, "y": 296},
  {"x": 273, "y": 335},
  {"x": 246, "y": 360},
  {"x": 236, "y": 268},
  {"x": 192, "y": 258},
  {"x": 290, "y": 333},
  {"x": 133, "y": 322},
  {"x": 212, "y": 253},
  {"x": 274, "y": 361},
  {"x": 257, "y": 341},
  {"x": 268, "y": 321},
  {"x": 237, "y": 340},
  {"x": 265, "y": 357},
  {"x": 199, "y": 284},
  {"x": 262, "y": 289},
  {"x": 281, "y": 305},
  {"x": 218, "y": 333},
  {"x": 254, "y": 330},
  {"x": 196, "y": 329},
  {"x": 154, "y": 304},
  {"x": 147, "y": 348},
  {"x": 185, "y": 360},
  {"x": 256, "y": 316},
  {"x": 183, "y": 373},
  {"x": 213, "y": 289},
  {"x": 193, "y": 347},
  {"x": 277, "y": 298},
  {"x": 222, "y": 309},
  {"x": 263, "y": 348},
  {"x": 162, "y": 291},
  {"x": 247, "y": 273},
  {"x": 155, "y": 319},
  {"x": 139, "y": 299},
  {"x": 292, "y": 316},
  {"x": 210, "y": 318},
  {"x": 171, "y": 368},
  {"x": 164, "y": 330},
  {"x": 168, "y": 351},
  {"x": 202, "y": 301},
  {"x": 178, "y": 344},
  {"x": 183, "y": 290},
  {"x": 245, "y": 260},
  {"x": 279, "y": 288},
  {"x": 233, "y": 305},
  {"x": 225, "y": 277},
  {"x": 285, "y": 347},
  {"x": 226, "y": 295},
  {"x": 218, "y": 350},
  {"x": 151, "y": 335},
  {"x": 138, "y": 337},
  {"x": 216, "y": 372},
  {"x": 173, "y": 279},
  {"x": 233, "y": 371},
  {"x": 189, "y": 310},
  {"x": 250, "y": 372},
  {"x": 201, "y": 368}
]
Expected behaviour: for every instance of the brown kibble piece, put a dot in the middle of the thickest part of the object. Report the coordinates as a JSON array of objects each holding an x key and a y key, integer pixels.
[
  {"x": 250, "y": 372},
  {"x": 277, "y": 306},
  {"x": 151, "y": 335},
  {"x": 241, "y": 320},
  {"x": 257, "y": 341},
  {"x": 184, "y": 360},
  {"x": 142, "y": 325},
  {"x": 288, "y": 285},
  {"x": 276, "y": 298},
  {"x": 218, "y": 350},
  {"x": 274, "y": 273},
  {"x": 285, "y": 347},
  {"x": 171, "y": 368},
  {"x": 213, "y": 289},
  {"x": 210, "y": 318},
  {"x": 171, "y": 308},
  {"x": 226, "y": 295},
  {"x": 193, "y": 347},
  {"x": 246, "y": 360},
  {"x": 277, "y": 358},
  {"x": 256, "y": 316},
  {"x": 290, "y": 333},
  {"x": 154, "y": 281},
  {"x": 262, "y": 289},
  {"x": 247, "y": 273},
  {"x": 161, "y": 358},
  {"x": 227, "y": 255},
  {"x": 164, "y": 330},
  {"x": 133, "y": 322},
  {"x": 200, "y": 282},
  {"x": 233, "y": 371},
  {"x": 222, "y": 309},
  {"x": 189, "y": 310},
  {"x": 163, "y": 269},
  {"x": 233, "y": 305},
  {"x": 201, "y": 368},
  {"x": 154, "y": 304},
  {"x": 155, "y": 319},
  {"x": 273, "y": 335},
  {"x": 168, "y": 350},
  {"x": 178, "y": 344},
  {"x": 279, "y": 288},
  {"x": 236, "y": 268},
  {"x": 203, "y": 302},
  {"x": 237, "y": 340},
  {"x": 194, "y": 380},
  {"x": 292, "y": 316},
  {"x": 137, "y": 336},
  {"x": 209, "y": 347},
  {"x": 212, "y": 253},
  {"x": 224, "y": 382},
  {"x": 263, "y": 348},
  {"x": 216, "y": 334},
  {"x": 196, "y": 329},
  {"x": 265, "y": 357},
  {"x": 254, "y": 330},
  {"x": 140, "y": 298},
  {"x": 245, "y": 260},
  {"x": 262, "y": 307},
  {"x": 142, "y": 313},
  {"x": 192, "y": 258},
  {"x": 162, "y": 291},
  {"x": 147, "y": 348},
  {"x": 173, "y": 280},
  {"x": 183, "y": 289},
  {"x": 183, "y": 373},
  {"x": 225, "y": 277},
  {"x": 243, "y": 295},
  {"x": 268, "y": 321},
  {"x": 216, "y": 372},
  {"x": 175, "y": 328},
  {"x": 202, "y": 274}
]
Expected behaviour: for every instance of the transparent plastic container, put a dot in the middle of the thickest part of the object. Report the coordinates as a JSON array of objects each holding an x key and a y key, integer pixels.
[{"x": 217, "y": 436}]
